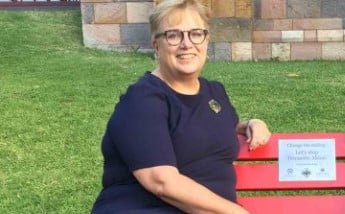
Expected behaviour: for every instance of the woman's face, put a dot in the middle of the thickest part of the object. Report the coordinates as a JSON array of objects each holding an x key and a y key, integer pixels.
[{"x": 185, "y": 58}]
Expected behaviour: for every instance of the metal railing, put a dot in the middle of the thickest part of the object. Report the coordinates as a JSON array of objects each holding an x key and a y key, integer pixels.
[{"x": 5, "y": 4}]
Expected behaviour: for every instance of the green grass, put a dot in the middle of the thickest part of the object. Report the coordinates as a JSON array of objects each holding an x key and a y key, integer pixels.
[
  {"x": 290, "y": 96},
  {"x": 56, "y": 97}
]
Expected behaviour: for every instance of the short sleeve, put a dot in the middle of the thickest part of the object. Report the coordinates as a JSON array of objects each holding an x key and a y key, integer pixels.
[
  {"x": 139, "y": 129},
  {"x": 219, "y": 87}
]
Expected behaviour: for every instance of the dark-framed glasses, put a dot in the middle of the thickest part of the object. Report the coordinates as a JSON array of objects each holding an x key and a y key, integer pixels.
[{"x": 175, "y": 36}]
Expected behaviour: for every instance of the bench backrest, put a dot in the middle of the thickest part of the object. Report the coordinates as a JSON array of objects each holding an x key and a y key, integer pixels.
[
  {"x": 258, "y": 171},
  {"x": 265, "y": 170}
]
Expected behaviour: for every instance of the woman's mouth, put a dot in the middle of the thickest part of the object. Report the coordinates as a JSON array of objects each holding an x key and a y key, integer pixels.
[{"x": 186, "y": 56}]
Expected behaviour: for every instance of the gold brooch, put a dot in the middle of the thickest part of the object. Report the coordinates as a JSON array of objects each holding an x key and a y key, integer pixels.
[{"x": 215, "y": 106}]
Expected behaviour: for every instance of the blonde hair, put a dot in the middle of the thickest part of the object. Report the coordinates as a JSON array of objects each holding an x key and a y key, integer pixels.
[{"x": 167, "y": 7}]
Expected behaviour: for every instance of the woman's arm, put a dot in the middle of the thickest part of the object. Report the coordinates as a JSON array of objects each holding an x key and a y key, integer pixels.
[
  {"x": 256, "y": 131},
  {"x": 184, "y": 193}
]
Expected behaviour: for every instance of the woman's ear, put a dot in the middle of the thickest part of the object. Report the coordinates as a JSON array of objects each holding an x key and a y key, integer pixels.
[
  {"x": 207, "y": 38},
  {"x": 155, "y": 48},
  {"x": 154, "y": 45}
]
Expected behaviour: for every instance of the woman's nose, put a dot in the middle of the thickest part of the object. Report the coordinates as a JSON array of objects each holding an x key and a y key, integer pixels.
[{"x": 185, "y": 43}]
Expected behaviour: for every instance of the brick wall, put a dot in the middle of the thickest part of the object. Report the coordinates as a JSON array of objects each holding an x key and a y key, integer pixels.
[{"x": 240, "y": 29}]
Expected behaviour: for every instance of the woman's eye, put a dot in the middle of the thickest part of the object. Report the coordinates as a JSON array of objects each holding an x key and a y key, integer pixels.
[
  {"x": 196, "y": 34},
  {"x": 173, "y": 35}
]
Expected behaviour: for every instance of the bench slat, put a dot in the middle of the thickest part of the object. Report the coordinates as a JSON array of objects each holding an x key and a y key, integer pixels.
[
  {"x": 294, "y": 204},
  {"x": 270, "y": 152},
  {"x": 265, "y": 177}
]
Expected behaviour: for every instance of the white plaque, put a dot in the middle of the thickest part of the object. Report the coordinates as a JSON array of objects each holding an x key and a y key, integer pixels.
[{"x": 307, "y": 160}]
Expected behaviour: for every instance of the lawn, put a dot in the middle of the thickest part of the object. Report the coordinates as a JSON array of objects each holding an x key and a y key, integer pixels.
[{"x": 56, "y": 96}]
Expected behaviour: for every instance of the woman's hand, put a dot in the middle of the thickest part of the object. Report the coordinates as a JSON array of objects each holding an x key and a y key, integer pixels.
[{"x": 257, "y": 133}]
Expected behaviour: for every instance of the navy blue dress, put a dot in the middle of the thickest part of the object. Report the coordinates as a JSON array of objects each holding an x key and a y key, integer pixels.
[{"x": 153, "y": 125}]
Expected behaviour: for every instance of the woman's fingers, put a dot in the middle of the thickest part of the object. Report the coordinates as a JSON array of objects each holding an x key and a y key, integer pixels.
[{"x": 257, "y": 134}]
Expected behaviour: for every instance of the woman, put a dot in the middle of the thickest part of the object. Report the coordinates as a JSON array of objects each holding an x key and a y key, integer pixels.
[{"x": 170, "y": 144}]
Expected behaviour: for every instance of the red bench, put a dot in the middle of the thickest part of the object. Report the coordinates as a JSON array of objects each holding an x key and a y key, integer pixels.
[{"x": 258, "y": 171}]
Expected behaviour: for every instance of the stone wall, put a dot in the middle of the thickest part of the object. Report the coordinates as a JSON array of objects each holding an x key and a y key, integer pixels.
[{"x": 240, "y": 29}]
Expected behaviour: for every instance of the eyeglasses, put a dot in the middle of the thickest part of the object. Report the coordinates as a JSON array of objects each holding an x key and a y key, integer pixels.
[{"x": 175, "y": 37}]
